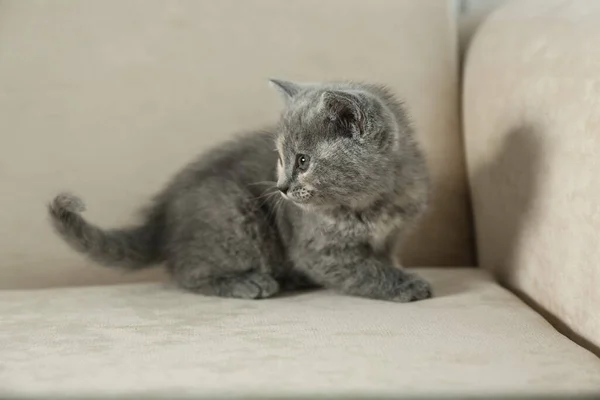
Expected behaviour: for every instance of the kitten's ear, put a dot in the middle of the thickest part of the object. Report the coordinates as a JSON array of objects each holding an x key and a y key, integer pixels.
[
  {"x": 286, "y": 88},
  {"x": 344, "y": 109}
]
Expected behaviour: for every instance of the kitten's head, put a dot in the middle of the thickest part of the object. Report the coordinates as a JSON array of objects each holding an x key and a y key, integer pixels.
[{"x": 338, "y": 144}]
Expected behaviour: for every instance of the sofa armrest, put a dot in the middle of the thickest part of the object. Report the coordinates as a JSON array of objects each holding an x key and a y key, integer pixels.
[{"x": 532, "y": 132}]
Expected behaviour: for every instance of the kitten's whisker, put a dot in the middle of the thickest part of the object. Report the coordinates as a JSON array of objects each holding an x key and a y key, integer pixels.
[
  {"x": 266, "y": 195},
  {"x": 271, "y": 212},
  {"x": 279, "y": 204},
  {"x": 262, "y": 183}
]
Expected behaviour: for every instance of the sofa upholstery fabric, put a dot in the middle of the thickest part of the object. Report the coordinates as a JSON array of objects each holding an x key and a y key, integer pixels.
[
  {"x": 131, "y": 340},
  {"x": 531, "y": 121}
]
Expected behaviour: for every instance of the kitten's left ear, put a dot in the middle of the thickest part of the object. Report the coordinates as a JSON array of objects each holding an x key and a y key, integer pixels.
[
  {"x": 345, "y": 110},
  {"x": 286, "y": 88}
]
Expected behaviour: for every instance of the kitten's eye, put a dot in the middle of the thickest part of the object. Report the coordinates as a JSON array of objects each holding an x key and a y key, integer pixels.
[{"x": 302, "y": 161}]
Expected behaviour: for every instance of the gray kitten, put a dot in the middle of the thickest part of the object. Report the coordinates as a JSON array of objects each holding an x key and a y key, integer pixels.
[{"x": 350, "y": 180}]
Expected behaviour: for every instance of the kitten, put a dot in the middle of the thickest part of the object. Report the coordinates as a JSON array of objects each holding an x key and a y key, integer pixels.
[{"x": 350, "y": 180}]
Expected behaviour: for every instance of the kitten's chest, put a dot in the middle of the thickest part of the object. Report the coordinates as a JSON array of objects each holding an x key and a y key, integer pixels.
[
  {"x": 381, "y": 235},
  {"x": 352, "y": 228}
]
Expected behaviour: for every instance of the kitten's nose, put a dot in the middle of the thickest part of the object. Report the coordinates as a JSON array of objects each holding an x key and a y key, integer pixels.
[{"x": 283, "y": 188}]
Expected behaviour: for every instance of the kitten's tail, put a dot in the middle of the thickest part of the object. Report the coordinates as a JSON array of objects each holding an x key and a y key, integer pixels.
[{"x": 129, "y": 248}]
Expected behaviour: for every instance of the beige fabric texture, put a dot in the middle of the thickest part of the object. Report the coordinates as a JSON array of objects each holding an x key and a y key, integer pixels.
[
  {"x": 532, "y": 117},
  {"x": 108, "y": 99},
  {"x": 126, "y": 340}
]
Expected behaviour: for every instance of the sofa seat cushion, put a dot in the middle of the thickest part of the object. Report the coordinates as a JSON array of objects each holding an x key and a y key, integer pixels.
[{"x": 151, "y": 338}]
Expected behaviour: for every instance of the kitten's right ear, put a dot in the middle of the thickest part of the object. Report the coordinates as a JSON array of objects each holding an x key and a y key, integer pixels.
[
  {"x": 286, "y": 88},
  {"x": 345, "y": 110}
]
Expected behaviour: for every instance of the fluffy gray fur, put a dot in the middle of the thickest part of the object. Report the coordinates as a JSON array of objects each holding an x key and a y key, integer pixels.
[{"x": 350, "y": 180}]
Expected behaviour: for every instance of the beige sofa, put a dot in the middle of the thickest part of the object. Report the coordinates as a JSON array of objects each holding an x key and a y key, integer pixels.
[{"x": 109, "y": 99}]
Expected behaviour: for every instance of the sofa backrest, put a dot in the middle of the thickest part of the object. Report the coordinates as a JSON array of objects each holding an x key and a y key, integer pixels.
[{"x": 108, "y": 99}]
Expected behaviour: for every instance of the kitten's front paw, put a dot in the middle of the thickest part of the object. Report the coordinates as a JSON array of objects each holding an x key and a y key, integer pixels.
[{"x": 413, "y": 288}]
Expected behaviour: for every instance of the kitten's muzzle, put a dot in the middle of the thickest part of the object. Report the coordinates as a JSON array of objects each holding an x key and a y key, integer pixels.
[{"x": 283, "y": 188}]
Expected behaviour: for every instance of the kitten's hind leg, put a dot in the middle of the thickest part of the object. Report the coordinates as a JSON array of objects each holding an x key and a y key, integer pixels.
[
  {"x": 252, "y": 285},
  {"x": 244, "y": 285},
  {"x": 219, "y": 243}
]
